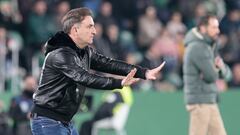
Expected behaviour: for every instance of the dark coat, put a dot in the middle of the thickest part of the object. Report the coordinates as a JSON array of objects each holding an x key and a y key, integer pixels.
[{"x": 65, "y": 76}]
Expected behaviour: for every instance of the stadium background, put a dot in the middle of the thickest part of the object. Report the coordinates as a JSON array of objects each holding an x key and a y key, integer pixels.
[{"x": 143, "y": 32}]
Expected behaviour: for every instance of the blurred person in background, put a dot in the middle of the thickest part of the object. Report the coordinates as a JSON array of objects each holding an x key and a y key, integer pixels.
[
  {"x": 126, "y": 14},
  {"x": 39, "y": 27},
  {"x": 163, "y": 9},
  {"x": 12, "y": 21},
  {"x": 168, "y": 47},
  {"x": 61, "y": 8},
  {"x": 112, "y": 103},
  {"x": 10, "y": 17},
  {"x": 92, "y": 4},
  {"x": 217, "y": 7},
  {"x": 199, "y": 12},
  {"x": 3, "y": 53},
  {"x": 151, "y": 58},
  {"x": 66, "y": 74},
  {"x": 202, "y": 67},
  {"x": 175, "y": 24},
  {"x": 105, "y": 16},
  {"x": 127, "y": 41},
  {"x": 230, "y": 29},
  {"x": 20, "y": 107},
  {"x": 113, "y": 40},
  {"x": 236, "y": 76},
  {"x": 10, "y": 44},
  {"x": 100, "y": 43},
  {"x": 4, "y": 121},
  {"x": 149, "y": 28}
]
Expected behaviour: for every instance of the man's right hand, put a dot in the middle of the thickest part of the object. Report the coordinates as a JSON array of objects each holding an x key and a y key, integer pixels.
[
  {"x": 129, "y": 79},
  {"x": 219, "y": 62}
]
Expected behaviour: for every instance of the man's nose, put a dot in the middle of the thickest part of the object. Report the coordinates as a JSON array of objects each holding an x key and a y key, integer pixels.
[
  {"x": 218, "y": 31},
  {"x": 94, "y": 31}
]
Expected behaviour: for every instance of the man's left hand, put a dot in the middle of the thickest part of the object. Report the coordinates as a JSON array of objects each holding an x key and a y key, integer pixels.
[
  {"x": 219, "y": 62},
  {"x": 153, "y": 73}
]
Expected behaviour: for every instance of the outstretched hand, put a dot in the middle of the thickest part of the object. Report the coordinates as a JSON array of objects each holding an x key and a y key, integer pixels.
[
  {"x": 129, "y": 79},
  {"x": 150, "y": 75},
  {"x": 153, "y": 73}
]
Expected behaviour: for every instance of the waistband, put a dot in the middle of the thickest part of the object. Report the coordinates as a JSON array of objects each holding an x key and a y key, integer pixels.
[{"x": 45, "y": 112}]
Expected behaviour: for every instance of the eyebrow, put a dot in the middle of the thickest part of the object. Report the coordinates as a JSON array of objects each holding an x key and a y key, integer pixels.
[
  {"x": 84, "y": 23},
  {"x": 91, "y": 25}
]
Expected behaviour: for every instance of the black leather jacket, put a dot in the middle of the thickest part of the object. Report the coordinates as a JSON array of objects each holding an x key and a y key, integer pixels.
[{"x": 65, "y": 76}]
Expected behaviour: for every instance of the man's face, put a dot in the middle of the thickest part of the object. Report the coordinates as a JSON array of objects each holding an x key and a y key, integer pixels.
[
  {"x": 213, "y": 28},
  {"x": 85, "y": 31}
]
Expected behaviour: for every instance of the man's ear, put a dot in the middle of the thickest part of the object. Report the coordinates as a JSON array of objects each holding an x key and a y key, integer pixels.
[
  {"x": 73, "y": 31},
  {"x": 203, "y": 29},
  {"x": 75, "y": 28}
]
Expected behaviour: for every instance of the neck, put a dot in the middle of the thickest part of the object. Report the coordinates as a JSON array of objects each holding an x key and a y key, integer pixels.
[
  {"x": 79, "y": 45},
  {"x": 208, "y": 39}
]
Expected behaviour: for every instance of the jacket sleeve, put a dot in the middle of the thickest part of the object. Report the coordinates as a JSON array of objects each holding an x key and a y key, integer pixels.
[
  {"x": 225, "y": 73},
  {"x": 66, "y": 63},
  {"x": 203, "y": 60},
  {"x": 109, "y": 65}
]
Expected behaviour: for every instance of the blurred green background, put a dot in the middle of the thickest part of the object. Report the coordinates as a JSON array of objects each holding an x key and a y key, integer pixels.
[{"x": 159, "y": 113}]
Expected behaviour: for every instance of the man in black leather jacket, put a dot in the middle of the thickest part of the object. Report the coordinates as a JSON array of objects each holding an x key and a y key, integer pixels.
[{"x": 65, "y": 75}]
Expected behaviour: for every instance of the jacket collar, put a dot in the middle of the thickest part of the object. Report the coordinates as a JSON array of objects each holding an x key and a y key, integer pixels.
[
  {"x": 204, "y": 37},
  {"x": 59, "y": 40}
]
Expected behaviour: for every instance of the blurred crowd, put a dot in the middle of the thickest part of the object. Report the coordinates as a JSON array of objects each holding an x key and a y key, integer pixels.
[
  {"x": 143, "y": 32},
  {"x": 14, "y": 119}
]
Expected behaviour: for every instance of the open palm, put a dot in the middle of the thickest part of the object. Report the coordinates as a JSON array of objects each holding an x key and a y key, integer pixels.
[
  {"x": 129, "y": 79},
  {"x": 153, "y": 73}
]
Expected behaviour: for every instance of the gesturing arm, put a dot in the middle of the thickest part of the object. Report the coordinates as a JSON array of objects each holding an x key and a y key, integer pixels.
[
  {"x": 132, "y": 72},
  {"x": 108, "y": 65},
  {"x": 66, "y": 63}
]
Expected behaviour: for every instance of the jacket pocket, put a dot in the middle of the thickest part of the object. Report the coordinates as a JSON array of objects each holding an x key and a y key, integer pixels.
[
  {"x": 47, "y": 123},
  {"x": 209, "y": 88},
  {"x": 191, "y": 108}
]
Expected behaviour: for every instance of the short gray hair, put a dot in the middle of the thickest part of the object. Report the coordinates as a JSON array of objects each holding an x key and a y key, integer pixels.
[{"x": 74, "y": 16}]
